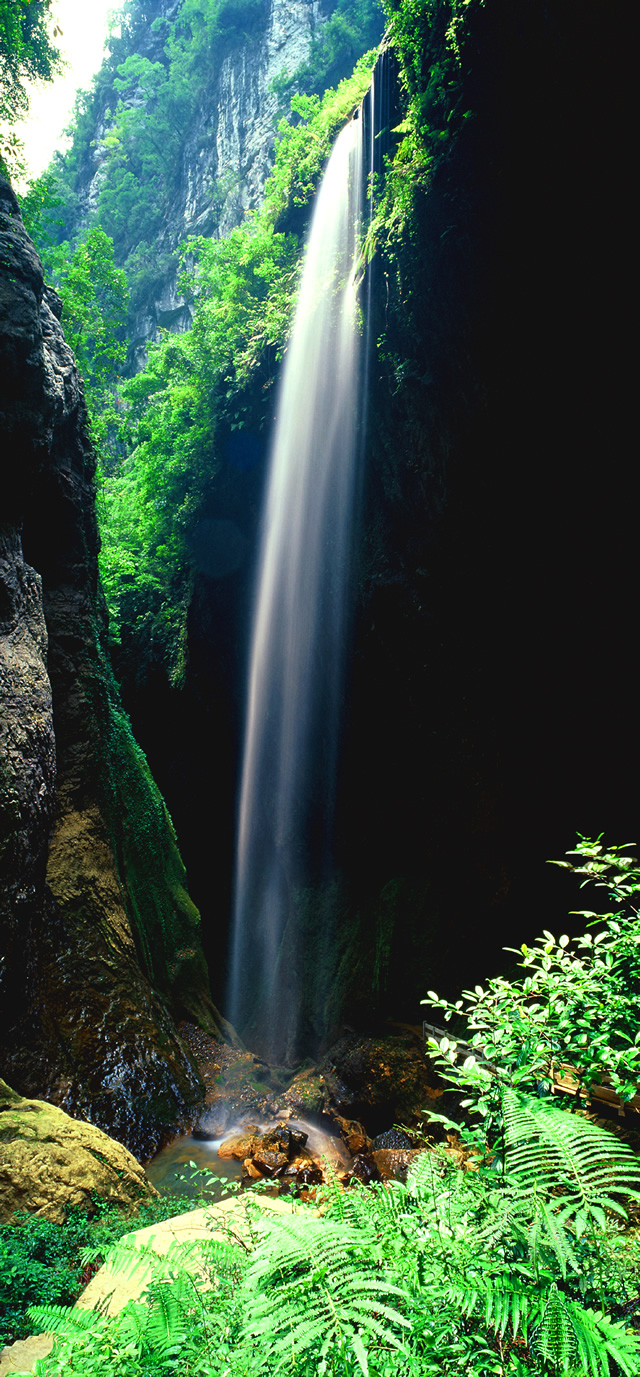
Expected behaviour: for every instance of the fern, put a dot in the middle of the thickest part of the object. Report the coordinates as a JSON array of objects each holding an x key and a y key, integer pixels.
[
  {"x": 553, "y": 1153},
  {"x": 555, "y": 1337},
  {"x": 600, "y": 1339},
  {"x": 62, "y": 1319},
  {"x": 314, "y": 1286}
]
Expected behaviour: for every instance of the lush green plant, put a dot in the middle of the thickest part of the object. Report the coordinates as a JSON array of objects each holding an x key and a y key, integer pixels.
[
  {"x": 467, "y": 1272},
  {"x": 28, "y": 53},
  {"x": 577, "y": 1003},
  {"x": 95, "y": 299},
  {"x": 50, "y": 1263}
]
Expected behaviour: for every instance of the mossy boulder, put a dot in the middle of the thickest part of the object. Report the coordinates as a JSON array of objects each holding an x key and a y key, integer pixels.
[{"x": 49, "y": 1161}]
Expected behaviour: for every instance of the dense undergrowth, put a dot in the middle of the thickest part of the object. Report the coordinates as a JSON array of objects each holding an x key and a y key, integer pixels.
[
  {"x": 46, "y": 1263},
  {"x": 508, "y": 1251}
]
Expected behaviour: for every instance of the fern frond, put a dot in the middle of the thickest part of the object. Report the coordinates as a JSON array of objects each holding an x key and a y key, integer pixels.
[
  {"x": 555, "y": 1337},
  {"x": 63, "y": 1319},
  {"x": 167, "y": 1322},
  {"x": 555, "y": 1154},
  {"x": 555, "y": 1236},
  {"x": 502, "y": 1304},
  {"x": 601, "y": 1341},
  {"x": 319, "y": 1281}
]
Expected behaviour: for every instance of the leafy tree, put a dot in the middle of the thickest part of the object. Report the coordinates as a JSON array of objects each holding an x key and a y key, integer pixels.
[
  {"x": 38, "y": 208},
  {"x": 95, "y": 299},
  {"x": 27, "y": 53}
]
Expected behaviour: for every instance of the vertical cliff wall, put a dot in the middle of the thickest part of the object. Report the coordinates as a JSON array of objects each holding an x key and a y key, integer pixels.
[
  {"x": 177, "y": 136},
  {"x": 99, "y": 940}
]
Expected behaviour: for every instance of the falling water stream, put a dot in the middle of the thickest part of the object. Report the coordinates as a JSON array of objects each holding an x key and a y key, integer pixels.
[{"x": 298, "y": 636}]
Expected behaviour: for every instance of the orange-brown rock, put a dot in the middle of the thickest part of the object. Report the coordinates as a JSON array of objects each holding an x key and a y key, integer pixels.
[
  {"x": 393, "y": 1163},
  {"x": 307, "y": 1172},
  {"x": 270, "y": 1163},
  {"x": 353, "y": 1135},
  {"x": 239, "y": 1147}
]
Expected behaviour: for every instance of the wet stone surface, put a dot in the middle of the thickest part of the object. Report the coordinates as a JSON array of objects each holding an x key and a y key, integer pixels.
[{"x": 297, "y": 1128}]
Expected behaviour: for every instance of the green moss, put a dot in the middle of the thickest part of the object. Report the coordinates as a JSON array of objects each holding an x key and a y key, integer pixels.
[{"x": 164, "y": 920}]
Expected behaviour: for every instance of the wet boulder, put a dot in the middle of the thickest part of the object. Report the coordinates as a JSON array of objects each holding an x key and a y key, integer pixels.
[
  {"x": 392, "y": 1138},
  {"x": 393, "y": 1163},
  {"x": 270, "y": 1163},
  {"x": 306, "y": 1172},
  {"x": 364, "y": 1169},
  {"x": 379, "y": 1080}
]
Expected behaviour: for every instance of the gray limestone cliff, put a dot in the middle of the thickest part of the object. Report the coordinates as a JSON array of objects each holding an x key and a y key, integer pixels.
[
  {"x": 227, "y": 150},
  {"x": 99, "y": 941}
]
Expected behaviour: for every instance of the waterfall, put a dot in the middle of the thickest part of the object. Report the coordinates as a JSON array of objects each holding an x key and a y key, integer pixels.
[{"x": 298, "y": 636}]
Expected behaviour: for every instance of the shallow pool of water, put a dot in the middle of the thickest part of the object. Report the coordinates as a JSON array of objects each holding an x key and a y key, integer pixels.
[
  {"x": 170, "y": 1170},
  {"x": 167, "y": 1171}
]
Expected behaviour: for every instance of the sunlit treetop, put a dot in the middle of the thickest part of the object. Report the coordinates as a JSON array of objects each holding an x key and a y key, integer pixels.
[{"x": 28, "y": 52}]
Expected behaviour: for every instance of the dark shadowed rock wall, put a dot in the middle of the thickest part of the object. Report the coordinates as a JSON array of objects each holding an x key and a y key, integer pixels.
[
  {"x": 99, "y": 940},
  {"x": 493, "y": 707}
]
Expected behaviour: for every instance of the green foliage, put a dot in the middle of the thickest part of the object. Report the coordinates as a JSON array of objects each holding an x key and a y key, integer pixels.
[
  {"x": 48, "y": 1264},
  {"x": 569, "y": 1158},
  {"x": 577, "y": 1004},
  {"x": 303, "y": 148},
  {"x": 94, "y": 313},
  {"x": 428, "y": 37},
  {"x": 37, "y": 207},
  {"x": 193, "y": 384},
  {"x": 27, "y": 53},
  {"x": 444, "y": 1274},
  {"x": 316, "y": 1288}
]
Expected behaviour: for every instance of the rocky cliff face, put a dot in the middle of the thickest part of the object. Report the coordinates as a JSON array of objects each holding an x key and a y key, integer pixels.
[
  {"x": 99, "y": 940},
  {"x": 227, "y": 151}
]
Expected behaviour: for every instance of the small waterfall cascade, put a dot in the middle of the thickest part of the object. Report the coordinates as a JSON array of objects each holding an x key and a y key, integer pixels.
[{"x": 298, "y": 636}]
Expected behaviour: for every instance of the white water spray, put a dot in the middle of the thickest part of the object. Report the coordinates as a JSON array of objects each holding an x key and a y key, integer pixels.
[{"x": 297, "y": 647}]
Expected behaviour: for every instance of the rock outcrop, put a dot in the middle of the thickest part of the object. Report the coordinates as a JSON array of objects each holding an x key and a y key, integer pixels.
[
  {"x": 49, "y": 1162},
  {"x": 227, "y": 149},
  {"x": 99, "y": 938}
]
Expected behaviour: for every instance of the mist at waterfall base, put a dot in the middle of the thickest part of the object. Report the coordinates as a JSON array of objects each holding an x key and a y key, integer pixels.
[{"x": 299, "y": 629}]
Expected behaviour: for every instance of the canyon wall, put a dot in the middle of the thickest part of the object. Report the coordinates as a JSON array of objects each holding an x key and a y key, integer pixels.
[{"x": 100, "y": 942}]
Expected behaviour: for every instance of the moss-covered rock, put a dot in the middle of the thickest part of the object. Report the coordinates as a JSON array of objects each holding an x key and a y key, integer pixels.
[{"x": 49, "y": 1162}]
